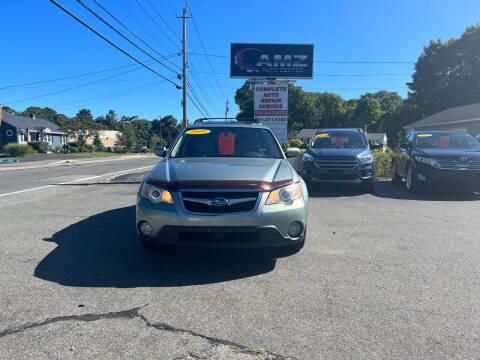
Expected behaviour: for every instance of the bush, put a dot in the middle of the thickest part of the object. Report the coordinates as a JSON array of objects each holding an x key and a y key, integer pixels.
[
  {"x": 120, "y": 149},
  {"x": 89, "y": 148},
  {"x": 384, "y": 162},
  {"x": 18, "y": 149},
  {"x": 74, "y": 149},
  {"x": 40, "y": 146}
]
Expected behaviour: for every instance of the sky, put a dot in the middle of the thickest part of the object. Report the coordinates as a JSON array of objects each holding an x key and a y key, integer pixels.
[{"x": 40, "y": 42}]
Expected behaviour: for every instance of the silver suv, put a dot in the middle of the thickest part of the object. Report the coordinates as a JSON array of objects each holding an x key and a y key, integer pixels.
[{"x": 224, "y": 184}]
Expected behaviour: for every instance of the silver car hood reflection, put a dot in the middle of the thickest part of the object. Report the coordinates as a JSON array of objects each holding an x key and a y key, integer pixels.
[{"x": 223, "y": 169}]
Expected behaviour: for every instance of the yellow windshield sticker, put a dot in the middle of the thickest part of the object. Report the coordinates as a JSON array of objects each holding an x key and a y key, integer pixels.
[
  {"x": 198, "y": 132},
  {"x": 321, "y": 136},
  {"x": 424, "y": 135}
]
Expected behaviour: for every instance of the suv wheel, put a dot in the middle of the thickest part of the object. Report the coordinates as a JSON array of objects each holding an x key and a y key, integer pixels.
[{"x": 411, "y": 180}]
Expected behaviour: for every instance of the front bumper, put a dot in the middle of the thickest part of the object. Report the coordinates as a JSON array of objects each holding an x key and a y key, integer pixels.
[
  {"x": 452, "y": 177},
  {"x": 266, "y": 226},
  {"x": 363, "y": 173}
]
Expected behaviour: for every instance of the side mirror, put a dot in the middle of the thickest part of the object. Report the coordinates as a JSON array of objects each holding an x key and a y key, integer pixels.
[
  {"x": 292, "y": 152},
  {"x": 304, "y": 146},
  {"x": 405, "y": 146},
  {"x": 160, "y": 151}
]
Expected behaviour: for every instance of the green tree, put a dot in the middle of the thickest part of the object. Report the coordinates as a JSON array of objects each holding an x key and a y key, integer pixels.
[
  {"x": 97, "y": 142},
  {"x": 244, "y": 100},
  {"x": 368, "y": 112},
  {"x": 447, "y": 74},
  {"x": 126, "y": 139}
]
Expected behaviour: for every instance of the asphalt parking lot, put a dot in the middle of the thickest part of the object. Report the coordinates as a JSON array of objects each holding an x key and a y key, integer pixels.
[{"x": 389, "y": 275}]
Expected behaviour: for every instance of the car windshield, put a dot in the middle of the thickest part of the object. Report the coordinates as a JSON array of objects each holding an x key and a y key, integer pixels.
[
  {"x": 447, "y": 140},
  {"x": 227, "y": 142},
  {"x": 336, "y": 139}
]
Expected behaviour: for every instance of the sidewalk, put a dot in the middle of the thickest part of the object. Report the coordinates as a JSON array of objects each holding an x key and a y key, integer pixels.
[{"x": 56, "y": 162}]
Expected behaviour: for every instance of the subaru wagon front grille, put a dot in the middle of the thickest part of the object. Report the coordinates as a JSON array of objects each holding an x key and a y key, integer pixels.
[{"x": 219, "y": 202}]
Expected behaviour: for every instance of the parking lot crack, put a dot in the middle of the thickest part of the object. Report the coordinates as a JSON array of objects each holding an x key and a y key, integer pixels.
[
  {"x": 216, "y": 341},
  {"x": 124, "y": 314}
]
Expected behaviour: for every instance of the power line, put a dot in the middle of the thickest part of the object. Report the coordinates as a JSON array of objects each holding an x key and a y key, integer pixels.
[
  {"x": 328, "y": 61},
  {"x": 195, "y": 104},
  {"x": 111, "y": 43},
  {"x": 204, "y": 50},
  {"x": 132, "y": 33},
  {"x": 161, "y": 18},
  {"x": 126, "y": 38},
  {"x": 333, "y": 75},
  {"x": 74, "y": 87},
  {"x": 157, "y": 24},
  {"x": 66, "y": 77},
  {"x": 195, "y": 95}
]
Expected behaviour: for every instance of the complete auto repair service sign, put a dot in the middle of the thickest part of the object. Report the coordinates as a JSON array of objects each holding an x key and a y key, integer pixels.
[{"x": 271, "y": 108}]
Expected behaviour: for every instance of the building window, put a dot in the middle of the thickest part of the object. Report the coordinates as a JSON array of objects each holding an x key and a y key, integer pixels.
[
  {"x": 33, "y": 136},
  {"x": 47, "y": 138},
  {"x": 22, "y": 138}
]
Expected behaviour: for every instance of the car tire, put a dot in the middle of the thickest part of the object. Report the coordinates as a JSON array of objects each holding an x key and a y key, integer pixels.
[
  {"x": 395, "y": 177},
  {"x": 146, "y": 244},
  {"x": 411, "y": 182}
]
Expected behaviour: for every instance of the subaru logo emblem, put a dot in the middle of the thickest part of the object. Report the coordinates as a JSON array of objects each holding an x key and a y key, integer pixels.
[
  {"x": 463, "y": 159},
  {"x": 219, "y": 201}
]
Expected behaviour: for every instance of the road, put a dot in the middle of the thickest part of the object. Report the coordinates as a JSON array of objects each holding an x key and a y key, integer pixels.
[{"x": 388, "y": 275}]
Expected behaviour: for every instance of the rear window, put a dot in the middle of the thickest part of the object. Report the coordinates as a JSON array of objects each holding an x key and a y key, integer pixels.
[{"x": 227, "y": 142}]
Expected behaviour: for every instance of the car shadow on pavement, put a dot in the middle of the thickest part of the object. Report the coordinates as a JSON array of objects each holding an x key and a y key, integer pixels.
[
  {"x": 387, "y": 189},
  {"x": 103, "y": 251}
]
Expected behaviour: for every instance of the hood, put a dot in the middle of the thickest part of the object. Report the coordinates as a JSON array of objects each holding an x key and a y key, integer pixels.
[
  {"x": 222, "y": 172},
  {"x": 341, "y": 152},
  {"x": 450, "y": 153}
]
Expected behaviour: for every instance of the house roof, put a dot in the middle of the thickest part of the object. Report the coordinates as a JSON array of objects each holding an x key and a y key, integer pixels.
[
  {"x": 376, "y": 136},
  {"x": 459, "y": 114},
  {"x": 24, "y": 122},
  {"x": 306, "y": 133}
]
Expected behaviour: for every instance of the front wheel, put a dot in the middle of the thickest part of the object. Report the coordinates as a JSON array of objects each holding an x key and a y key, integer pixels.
[{"x": 411, "y": 180}]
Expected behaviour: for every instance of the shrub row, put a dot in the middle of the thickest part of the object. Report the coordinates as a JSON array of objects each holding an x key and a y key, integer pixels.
[
  {"x": 384, "y": 162},
  {"x": 18, "y": 149}
]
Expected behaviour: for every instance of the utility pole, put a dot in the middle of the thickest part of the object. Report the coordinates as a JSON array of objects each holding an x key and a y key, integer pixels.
[
  {"x": 184, "y": 17},
  {"x": 227, "y": 109}
]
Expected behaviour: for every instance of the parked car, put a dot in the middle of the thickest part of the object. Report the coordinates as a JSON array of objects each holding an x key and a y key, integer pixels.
[
  {"x": 224, "y": 184},
  {"x": 142, "y": 148},
  {"x": 340, "y": 155},
  {"x": 451, "y": 157}
]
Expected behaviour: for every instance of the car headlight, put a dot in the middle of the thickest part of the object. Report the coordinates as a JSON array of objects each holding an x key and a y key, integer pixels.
[
  {"x": 308, "y": 157},
  {"x": 156, "y": 195},
  {"x": 426, "y": 160},
  {"x": 285, "y": 195},
  {"x": 365, "y": 157}
]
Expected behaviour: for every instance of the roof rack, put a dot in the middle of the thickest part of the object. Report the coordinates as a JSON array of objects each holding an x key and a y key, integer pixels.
[{"x": 213, "y": 119}]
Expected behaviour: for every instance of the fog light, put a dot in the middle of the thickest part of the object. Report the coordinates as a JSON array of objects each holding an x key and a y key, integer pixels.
[
  {"x": 295, "y": 229},
  {"x": 146, "y": 228}
]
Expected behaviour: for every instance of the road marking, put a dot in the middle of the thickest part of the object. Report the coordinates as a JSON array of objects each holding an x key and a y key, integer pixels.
[{"x": 74, "y": 181}]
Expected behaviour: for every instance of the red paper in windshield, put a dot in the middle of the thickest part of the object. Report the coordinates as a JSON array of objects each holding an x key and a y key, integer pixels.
[
  {"x": 226, "y": 144},
  {"x": 444, "y": 142},
  {"x": 339, "y": 141}
]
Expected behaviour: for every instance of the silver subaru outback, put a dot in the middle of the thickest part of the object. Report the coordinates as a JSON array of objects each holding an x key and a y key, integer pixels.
[{"x": 224, "y": 184}]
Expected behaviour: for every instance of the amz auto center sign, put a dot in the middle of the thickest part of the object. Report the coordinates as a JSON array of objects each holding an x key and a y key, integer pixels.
[
  {"x": 277, "y": 61},
  {"x": 271, "y": 108}
]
